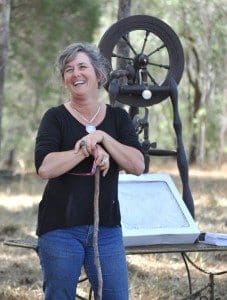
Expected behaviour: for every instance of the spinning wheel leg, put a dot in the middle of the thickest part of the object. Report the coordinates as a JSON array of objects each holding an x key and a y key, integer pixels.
[{"x": 181, "y": 155}]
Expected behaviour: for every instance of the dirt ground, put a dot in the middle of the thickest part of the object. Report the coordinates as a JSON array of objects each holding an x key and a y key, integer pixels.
[{"x": 153, "y": 276}]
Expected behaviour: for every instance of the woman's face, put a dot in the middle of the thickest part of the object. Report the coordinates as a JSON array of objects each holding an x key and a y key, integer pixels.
[{"x": 79, "y": 76}]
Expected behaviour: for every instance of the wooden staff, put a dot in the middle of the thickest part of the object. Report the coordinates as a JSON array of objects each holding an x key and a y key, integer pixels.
[{"x": 95, "y": 234}]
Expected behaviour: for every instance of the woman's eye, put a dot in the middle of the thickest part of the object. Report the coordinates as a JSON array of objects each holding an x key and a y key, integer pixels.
[
  {"x": 67, "y": 70},
  {"x": 83, "y": 67}
]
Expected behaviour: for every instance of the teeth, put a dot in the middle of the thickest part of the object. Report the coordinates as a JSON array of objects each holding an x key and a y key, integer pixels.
[{"x": 78, "y": 82}]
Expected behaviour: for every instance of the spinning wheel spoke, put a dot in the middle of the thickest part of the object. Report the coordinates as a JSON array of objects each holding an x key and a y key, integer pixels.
[
  {"x": 145, "y": 41},
  {"x": 151, "y": 78},
  {"x": 156, "y": 50},
  {"x": 159, "y": 65},
  {"x": 129, "y": 44},
  {"x": 122, "y": 57}
]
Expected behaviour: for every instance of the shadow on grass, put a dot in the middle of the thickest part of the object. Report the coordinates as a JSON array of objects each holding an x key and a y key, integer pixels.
[
  {"x": 32, "y": 184},
  {"x": 29, "y": 184},
  {"x": 15, "y": 224}
]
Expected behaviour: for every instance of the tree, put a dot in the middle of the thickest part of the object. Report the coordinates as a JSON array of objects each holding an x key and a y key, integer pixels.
[
  {"x": 39, "y": 29},
  {"x": 124, "y": 7},
  {"x": 4, "y": 37},
  {"x": 205, "y": 53}
]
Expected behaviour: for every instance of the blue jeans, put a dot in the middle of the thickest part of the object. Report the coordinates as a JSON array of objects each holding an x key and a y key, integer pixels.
[{"x": 63, "y": 252}]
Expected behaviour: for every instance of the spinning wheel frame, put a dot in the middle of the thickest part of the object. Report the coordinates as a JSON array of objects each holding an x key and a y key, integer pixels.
[{"x": 129, "y": 91}]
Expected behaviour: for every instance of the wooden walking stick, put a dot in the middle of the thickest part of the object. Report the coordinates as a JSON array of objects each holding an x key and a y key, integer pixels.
[
  {"x": 95, "y": 234},
  {"x": 95, "y": 171}
]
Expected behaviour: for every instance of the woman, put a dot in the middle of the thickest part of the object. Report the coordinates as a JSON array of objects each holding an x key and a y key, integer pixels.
[{"x": 73, "y": 137}]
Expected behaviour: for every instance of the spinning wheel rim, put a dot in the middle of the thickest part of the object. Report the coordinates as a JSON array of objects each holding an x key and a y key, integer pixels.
[{"x": 161, "y": 30}]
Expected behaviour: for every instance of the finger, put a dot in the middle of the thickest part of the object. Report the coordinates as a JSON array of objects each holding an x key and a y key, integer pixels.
[
  {"x": 77, "y": 147},
  {"x": 105, "y": 165},
  {"x": 84, "y": 148},
  {"x": 91, "y": 146},
  {"x": 99, "y": 160},
  {"x": 81, "y": 145},
  {"x": 85, "y": 151},
  {"x": 105, "y": 171},
  {"x": 103, "y": 161}
]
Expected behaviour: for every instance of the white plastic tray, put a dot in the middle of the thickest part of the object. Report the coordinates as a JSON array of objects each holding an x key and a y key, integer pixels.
[{"x": 153, "y": 212}]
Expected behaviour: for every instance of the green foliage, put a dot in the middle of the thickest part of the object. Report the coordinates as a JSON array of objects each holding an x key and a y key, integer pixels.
[
  {"x": 40, "y": 28},
  {"x": 38, "y": 31}
]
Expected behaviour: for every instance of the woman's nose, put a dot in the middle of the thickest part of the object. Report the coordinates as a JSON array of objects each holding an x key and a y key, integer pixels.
[{"x": 76, "y": 72}]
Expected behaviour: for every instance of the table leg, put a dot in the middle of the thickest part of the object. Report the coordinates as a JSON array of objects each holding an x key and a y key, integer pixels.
[{"x": 209, "y": 286}]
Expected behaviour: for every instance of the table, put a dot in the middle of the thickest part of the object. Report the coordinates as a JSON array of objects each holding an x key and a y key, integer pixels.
[{"x": 182, "y": 249}]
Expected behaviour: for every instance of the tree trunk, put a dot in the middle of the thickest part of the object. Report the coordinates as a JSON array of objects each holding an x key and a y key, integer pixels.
[
  {"x": 202, "y": 144},
  {"x": 197, "y": 100},
  {"x": 193, "y": 148},
  {"x": 222, "y": 135},
  {"x": 124, "y": 7},
  {"x": 4, "y": 37}
]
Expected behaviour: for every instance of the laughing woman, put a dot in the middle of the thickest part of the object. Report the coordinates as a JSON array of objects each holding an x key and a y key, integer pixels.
[{"x": 72, "y": 139}]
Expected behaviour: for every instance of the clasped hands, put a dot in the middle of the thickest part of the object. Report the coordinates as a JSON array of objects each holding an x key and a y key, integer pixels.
[{"x": 90, "y": 145}]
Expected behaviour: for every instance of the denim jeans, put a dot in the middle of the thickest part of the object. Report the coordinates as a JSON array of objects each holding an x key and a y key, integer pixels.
[{"x": 63, "y": 252}]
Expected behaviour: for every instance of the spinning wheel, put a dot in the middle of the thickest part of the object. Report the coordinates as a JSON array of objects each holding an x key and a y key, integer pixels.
[
  {"x": 154, "y": 56},
  {"x": 152, "y": 63}
]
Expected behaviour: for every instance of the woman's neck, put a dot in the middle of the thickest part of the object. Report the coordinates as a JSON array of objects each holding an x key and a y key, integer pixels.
[
  {"x": 85, "y": 106},
  {"x": 85, "y": 103}
]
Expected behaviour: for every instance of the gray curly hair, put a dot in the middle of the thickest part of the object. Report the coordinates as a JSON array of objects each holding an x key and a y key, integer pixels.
[{"x": 98, "y": 61}]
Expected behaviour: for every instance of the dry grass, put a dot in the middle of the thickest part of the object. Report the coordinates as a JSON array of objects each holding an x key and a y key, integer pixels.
[{"x": 159, "y": 276}]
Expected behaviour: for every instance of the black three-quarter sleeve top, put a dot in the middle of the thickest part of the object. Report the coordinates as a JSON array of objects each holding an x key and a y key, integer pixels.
[{"x": 68, "y": 200}]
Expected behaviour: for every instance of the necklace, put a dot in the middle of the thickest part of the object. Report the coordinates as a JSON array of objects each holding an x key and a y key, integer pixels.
[{"x": 89, "y": 126}]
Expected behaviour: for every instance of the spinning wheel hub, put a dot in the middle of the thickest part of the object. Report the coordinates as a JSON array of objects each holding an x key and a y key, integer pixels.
[{"x": 140, "y": 61}]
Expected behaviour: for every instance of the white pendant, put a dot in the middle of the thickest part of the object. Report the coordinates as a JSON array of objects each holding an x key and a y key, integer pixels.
[{"x": 90, "y": 128}]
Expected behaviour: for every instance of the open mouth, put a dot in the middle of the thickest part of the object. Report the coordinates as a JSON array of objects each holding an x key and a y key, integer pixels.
[{"x": 78, "y": 82}]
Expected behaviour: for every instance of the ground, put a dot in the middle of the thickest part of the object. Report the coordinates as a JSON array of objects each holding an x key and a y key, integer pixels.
[{"x": 154, "y": 276}]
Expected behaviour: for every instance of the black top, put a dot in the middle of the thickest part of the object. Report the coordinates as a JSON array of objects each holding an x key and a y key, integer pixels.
[{"x": 68, "y": 200}]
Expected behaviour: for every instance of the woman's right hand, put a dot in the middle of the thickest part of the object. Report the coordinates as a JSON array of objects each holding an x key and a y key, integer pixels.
[{"x": 102, "y": 159}]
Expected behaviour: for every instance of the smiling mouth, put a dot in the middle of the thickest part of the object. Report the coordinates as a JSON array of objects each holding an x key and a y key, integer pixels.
[{"x": 78, "y": 82}]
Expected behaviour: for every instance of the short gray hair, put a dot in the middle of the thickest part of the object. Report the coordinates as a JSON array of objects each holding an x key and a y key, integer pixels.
[{"x": 98, "y": 61}]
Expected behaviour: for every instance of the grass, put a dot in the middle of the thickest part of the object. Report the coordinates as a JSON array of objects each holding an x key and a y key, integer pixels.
[{"x": 155, "y": 276}]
